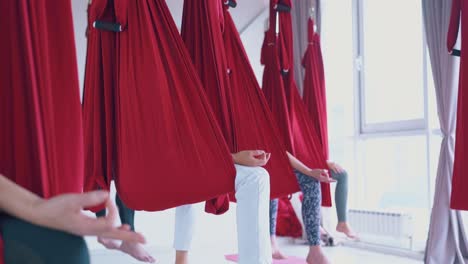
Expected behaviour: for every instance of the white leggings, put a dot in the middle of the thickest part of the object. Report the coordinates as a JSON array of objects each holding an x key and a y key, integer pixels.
[{"x": 253, "y": 235}]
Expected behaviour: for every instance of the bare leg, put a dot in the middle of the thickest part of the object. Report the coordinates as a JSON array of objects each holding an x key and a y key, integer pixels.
[
  {"x": 277, "y": 254},
  {"x": 181, "y": 257}
]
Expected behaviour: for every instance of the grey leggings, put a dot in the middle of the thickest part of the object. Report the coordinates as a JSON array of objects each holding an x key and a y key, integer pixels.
[{"x": 341, "y": 199}]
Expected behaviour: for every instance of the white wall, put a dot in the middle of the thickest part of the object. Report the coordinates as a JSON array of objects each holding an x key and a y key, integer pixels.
[
  {"x": 80, "y": 21},
  {"x": 159, "y": 226},
  {"x": 252, "y": 38}
]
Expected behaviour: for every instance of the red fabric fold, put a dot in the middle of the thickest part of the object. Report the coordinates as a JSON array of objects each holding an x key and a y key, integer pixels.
[
  {"x": 315, "y": 97},
  {"x": 167, "y": 149},
  {"x": 454, "y": 24},
  {"x": 287, "y": 222},
  {"x": 41, "y": 142},
  {"x": 242, "y": 112},
  {"x": 459, "y": 196}
]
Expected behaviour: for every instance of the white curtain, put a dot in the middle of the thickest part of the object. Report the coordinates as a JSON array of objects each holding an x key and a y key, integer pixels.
[
  {"x": 300, "y": 15},
  {"x": 446, "y": 242}
]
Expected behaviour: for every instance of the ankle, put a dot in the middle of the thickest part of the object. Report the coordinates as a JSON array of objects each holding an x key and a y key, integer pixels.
[{"x": 181, "y": 257}]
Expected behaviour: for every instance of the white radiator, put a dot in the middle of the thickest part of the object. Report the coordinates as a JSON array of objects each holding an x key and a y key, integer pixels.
[{"x": 395, "y": 225}]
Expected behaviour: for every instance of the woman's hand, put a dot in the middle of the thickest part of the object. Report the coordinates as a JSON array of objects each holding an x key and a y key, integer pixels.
[
  {"x": 65, "y": 213},
  {"x": 251, "y": 158},
  {"x": 335, "y": 167},
  {"x": 320, "y": 175}
]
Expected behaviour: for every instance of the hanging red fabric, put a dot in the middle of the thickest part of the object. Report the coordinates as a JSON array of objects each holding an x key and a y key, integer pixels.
[
  {"x": 305, "y": 139},
  {"x": 168, "y": 149},
  {"x": 41, "y": 144},
  {"x": 251, "y": 110},
  {"x": 287, "y": 221},
  {"x": 314, "y": 96},
  {"x": 459, "y": 196},
  {"x": 218, "y": 54},
  {"x": 98, "y": 99}
]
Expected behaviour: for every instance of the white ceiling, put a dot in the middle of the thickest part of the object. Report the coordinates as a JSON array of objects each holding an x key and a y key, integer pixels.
[{"x": 245, "y": 12}]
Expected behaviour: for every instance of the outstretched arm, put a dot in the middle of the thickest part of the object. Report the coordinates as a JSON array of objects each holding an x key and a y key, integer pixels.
[{"x": 64, "y": 212}]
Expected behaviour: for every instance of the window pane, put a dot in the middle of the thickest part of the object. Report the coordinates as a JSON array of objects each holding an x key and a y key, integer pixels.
[
  {"x": 396, "y": 179},
  {"x": 393, "y": 60},
  {"x": 395, "y": 171}
]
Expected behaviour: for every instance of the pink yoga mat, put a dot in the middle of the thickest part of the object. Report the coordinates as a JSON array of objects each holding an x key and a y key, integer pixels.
[{"x": 289, "y": 260}]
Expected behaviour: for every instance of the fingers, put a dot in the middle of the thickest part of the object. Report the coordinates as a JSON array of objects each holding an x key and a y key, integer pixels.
[
  {"x": 91, "y": 199},
  {"x": 326, "y": 179},
  {"x": 268, "y": 156},
  {"x": 121, "y": 233},
  {"x": 257, "y": 152},
  {"x": 112, "y": 211},
  {"x": 95, "y": 226}
]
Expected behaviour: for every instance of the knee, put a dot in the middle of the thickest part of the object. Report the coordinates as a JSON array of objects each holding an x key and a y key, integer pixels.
[
  {"x": 344, "y": 176},
  {"x": 260, "y": 176},
  {"x": 187, "y": 209}
]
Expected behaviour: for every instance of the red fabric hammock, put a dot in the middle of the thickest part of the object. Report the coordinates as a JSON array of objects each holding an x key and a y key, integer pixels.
[
  {"x": 167, "y": 148},
  {"x": 304, "y": 138},
  {"x": 459, "y": 197},
  {"x": 287, "y": 221},
  {"x": 41, "y": 144},
  {"x": 315, "y": 101},
  {"x": 315, "y": 97},
  {"x": 222, "y": 63}
]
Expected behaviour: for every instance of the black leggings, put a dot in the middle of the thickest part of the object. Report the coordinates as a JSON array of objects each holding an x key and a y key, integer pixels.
[
  {"x": 127, "y": 215},
  {"x": 25, "y": 243}
]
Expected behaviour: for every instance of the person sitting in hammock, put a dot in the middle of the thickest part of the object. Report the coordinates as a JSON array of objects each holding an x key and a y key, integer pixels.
[
  {"x": 252, "y": 194},
  {"x": 339, "y": 175}
]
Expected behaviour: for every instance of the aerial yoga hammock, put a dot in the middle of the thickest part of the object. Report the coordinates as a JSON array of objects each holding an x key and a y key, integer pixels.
[
  {"x": 148, "y": 124},
  {"x": 243, "y": 113},
  {"x": 285, "y": 101},
  {"x": 315, "y": 97},
  {"x": 315, "y": 101},
  {"x": 459, "y": 196},
  {"x": 296, "y": 125},
  {"x": 41, "y": 141}
]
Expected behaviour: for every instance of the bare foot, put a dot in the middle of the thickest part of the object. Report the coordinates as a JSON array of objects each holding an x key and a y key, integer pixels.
[
  {"x": 317, "y": 257},
  {"x": 277, "y": 254},
  {"x": 137, "y": 251},
  {"x": 344, "y": 228},
  {"x": 109, "y": 243}
]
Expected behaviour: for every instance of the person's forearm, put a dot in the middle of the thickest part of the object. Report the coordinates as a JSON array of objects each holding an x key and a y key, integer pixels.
[
  {"x": 17, "y": 201},
  {"x": 297, "y": 164},
  {"x": 234, "y": 158}
]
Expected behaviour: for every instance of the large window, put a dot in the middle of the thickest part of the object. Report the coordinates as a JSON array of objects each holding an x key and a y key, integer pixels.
[
  {"x": 383, "y": 123},
  {"x": 391, "y": 62}
]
